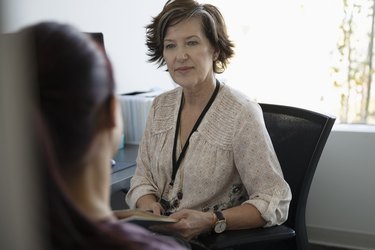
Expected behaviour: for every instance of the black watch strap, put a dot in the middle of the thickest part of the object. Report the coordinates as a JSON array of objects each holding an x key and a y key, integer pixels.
[{"x": 219, "y": 215}]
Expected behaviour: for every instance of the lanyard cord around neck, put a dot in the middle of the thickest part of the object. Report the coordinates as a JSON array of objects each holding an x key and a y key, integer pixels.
[{"x": 176, "y": 163}]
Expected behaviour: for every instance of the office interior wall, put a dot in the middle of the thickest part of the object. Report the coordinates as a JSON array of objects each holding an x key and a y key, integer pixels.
[
  {"x": 122, "y": 23},
  {"x": 339, "y": 199},
  {"x": 341, "y": 204}
]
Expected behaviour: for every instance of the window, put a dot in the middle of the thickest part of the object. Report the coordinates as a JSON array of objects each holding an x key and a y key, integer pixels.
[
  {"x": 353, "y": 72},
  {"x": 314, "y": 54}
]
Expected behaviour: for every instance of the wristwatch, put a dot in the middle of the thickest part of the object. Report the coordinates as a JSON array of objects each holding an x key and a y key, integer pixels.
[{"x": 221, "y": 223}]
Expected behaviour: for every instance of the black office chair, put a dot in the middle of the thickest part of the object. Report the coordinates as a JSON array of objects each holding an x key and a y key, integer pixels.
[{"x": 298, "y": 136}]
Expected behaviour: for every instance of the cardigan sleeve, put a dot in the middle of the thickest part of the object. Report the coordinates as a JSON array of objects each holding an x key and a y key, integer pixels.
[
  {"x": 142, "y": 182},
  {"x": 258, "y": 166}
]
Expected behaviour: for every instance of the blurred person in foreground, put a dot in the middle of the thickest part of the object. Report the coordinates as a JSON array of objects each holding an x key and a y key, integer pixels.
[{"x": 78, "y": 124}]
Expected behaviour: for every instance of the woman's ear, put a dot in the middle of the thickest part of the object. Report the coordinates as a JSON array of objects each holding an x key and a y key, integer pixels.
[
  {"x": 109, "y": 114},
  {"x": 115, "y": 122},
  {"x": 115, "y": 117},
  {"x": 216, "y": 55}
]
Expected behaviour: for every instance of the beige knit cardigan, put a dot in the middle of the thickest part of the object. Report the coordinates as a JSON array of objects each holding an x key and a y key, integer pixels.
[{"x": 230, "y": 159}]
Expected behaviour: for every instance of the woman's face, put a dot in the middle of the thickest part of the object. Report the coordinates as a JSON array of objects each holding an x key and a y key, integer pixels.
[{"x": 188, "y": 54}]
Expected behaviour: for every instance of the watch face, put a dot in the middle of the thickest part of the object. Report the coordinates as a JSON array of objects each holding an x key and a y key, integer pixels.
[{"x": 220, "y": 226}]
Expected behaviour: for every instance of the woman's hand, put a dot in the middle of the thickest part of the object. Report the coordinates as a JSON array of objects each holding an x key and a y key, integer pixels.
[
  {"x": 191, "y": 223},
  {"x": 149, "y": 203},
  {"x": 156, "y": 208}
]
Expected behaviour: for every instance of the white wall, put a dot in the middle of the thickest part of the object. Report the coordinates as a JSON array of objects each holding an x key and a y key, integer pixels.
[
  {"x": 341, "y": 203},
  {"x": 276, "y": 47},
  {"x": 122, "y": 23}
]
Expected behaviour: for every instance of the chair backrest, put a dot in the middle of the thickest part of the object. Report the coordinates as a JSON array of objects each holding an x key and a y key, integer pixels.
[{"x": 298, "y": 136}]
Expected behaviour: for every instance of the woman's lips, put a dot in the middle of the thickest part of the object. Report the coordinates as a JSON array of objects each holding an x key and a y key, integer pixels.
[{"x": 183, "y": 69}]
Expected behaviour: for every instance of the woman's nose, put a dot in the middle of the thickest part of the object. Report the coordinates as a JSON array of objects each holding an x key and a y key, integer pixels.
[{"x": 181, "y": 54}]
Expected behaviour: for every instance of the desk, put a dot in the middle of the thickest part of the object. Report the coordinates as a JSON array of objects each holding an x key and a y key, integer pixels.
[{"x": 122, "y": 172}]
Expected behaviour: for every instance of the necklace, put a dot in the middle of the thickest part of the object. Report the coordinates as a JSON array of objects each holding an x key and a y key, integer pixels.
[{"x": 177, "y": 162}]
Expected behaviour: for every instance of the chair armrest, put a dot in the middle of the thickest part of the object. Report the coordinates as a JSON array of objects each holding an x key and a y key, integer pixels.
[{"x": 247, "y": 236}]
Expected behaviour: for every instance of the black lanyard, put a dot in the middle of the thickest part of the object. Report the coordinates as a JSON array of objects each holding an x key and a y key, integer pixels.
[{"x": 176, "y": 164}]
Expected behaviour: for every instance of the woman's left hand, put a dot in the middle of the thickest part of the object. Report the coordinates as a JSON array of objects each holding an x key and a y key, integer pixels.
[{"x": 191, "y": 223}]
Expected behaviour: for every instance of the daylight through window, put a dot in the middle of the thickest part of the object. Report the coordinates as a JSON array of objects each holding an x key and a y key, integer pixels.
[{"x": 312, "y": 54}]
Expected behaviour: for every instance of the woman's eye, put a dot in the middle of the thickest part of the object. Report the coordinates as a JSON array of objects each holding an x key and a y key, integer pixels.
[
  {"x": 192, "y": 43},
  {"x": 169, "y": 46}
]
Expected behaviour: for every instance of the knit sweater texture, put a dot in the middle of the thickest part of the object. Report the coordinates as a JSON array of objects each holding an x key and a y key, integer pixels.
[{"x": 230, "y": 159}]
